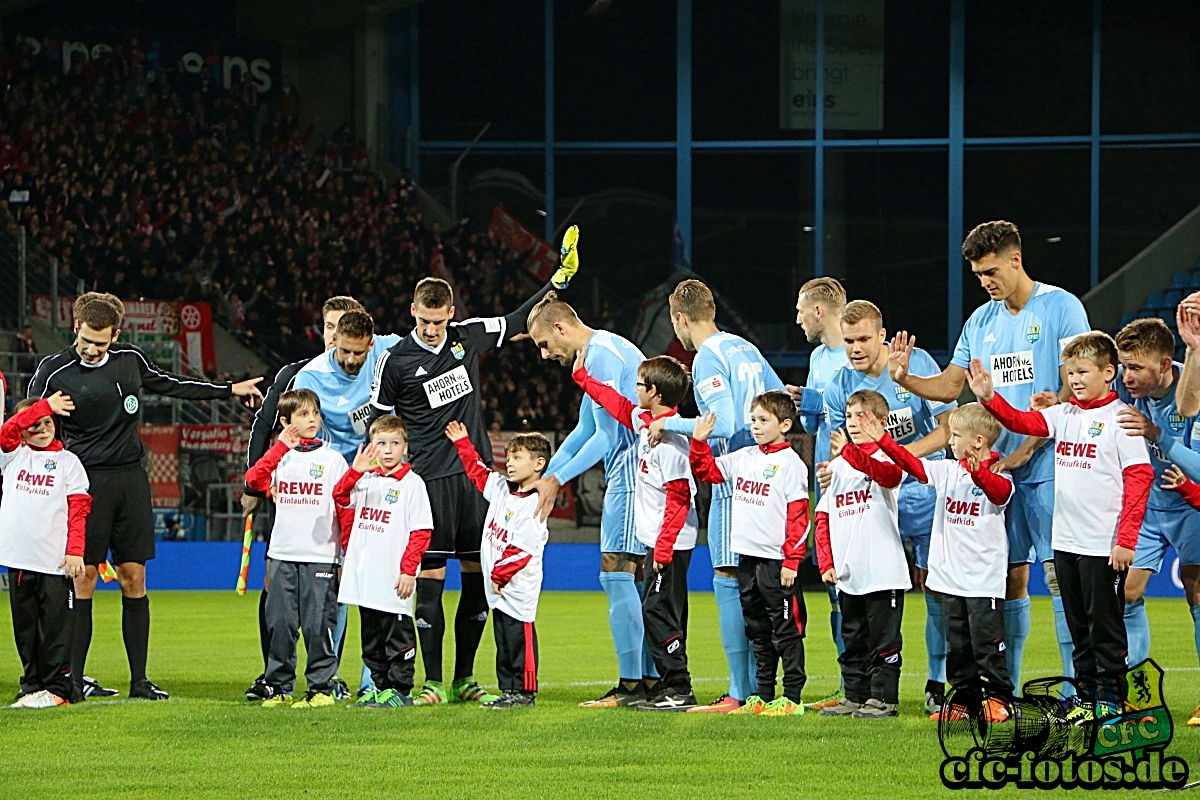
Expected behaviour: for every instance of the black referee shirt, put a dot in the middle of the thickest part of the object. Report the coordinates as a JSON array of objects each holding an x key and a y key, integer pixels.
[
  {"x": 427, "y": 389},
  {"x": 102, "y": 430}
]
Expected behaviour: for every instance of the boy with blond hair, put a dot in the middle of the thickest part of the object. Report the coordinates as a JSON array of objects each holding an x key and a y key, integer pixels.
[
  {"x": 968, "y": 558},
  {"x": 383, "y": 548},
  {"x": 301, "y": 472},
  {"x": 1102, "y": 480},
  {"x": 43, "y": 522}
]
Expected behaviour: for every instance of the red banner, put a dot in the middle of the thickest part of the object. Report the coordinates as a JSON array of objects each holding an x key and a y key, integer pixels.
[
  {"x": 190, "y": 324},
  {"x": 229, "y": 440},
  {"x": 162, "y": 463},
  {"x": 542, "y": 259}
]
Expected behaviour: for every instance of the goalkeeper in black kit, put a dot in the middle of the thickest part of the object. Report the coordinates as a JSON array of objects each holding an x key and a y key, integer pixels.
[{"x": 429, "y": 379}]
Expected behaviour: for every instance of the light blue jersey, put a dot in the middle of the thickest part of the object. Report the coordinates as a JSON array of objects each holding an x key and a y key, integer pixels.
[
  {"x": 1023, "y": 353},
  {"x": 1163, "y": 414},
  {"x": 727, "y": 374},
  {"x": 345, "y": 399},
  {"x": 822, "y": 363},
  {"x": 909, "y": 417},
  {"x": 614, "y": 362}
]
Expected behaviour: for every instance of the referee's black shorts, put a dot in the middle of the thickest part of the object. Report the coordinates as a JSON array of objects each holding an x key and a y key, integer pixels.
[
  {"x": 459, "y": 511},
  {"x": 121, "y": 520}
]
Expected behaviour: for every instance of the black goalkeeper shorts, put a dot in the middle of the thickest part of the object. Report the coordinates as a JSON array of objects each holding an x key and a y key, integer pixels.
[
  {"x": 121, "y": 521},
  {"x": 459, "y": 511}
]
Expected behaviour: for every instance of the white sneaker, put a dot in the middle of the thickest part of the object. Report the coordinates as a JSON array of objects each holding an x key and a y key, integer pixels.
[{"x": 42, "y": 699}]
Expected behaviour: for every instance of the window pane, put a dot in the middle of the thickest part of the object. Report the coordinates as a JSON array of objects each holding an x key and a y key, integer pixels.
[
  {"x": 480, "y": 63},
  {"x": 885, "y": 235},
  {"x": 1142, "y": 194},
  {"x": 626, "y": 221},
  {"x": 1028, "y": 68},
  {"x": 1046, "y": 193},
  {"x": 1150, "y": 70},
  {"x": 737, "y": 66},
  {"x": 750, "y": 242},
  {"x": 485, "y": 179},
  {"x": 615, "y": 73}
]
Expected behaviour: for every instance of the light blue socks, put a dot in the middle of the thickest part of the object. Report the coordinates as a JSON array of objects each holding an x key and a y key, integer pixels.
[
  {"x": 835, "y": 619},
  {"x": 340, "y": 629},
  {"x": 625, "y": 620},
  {"x": 739, "y": 654},
  {"x": 1016, "y": 631},
  {"x": 935, "y": 638},
  {"x": 1196, "y": 626},
  {"x": 1066, "y": 647},
  {"x": 1137, "y": 632}
]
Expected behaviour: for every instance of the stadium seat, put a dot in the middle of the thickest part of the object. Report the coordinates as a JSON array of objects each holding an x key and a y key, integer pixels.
[
  {"x": 1171, "y": 298},
  {"x": 1182, "y": 280},
  {"x": 1128, "y": 317},
  {"x": 1154, "y": 301},
  {"x": 1194, "y": 282}
]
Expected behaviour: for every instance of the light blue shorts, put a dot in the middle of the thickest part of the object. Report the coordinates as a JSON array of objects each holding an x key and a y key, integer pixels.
[
  {"x": 1178, "y": 528},
  {"x": 618, "y": 533},
  {"x": 916, "y": 505},
  {"x": 1029, "y": 521}
]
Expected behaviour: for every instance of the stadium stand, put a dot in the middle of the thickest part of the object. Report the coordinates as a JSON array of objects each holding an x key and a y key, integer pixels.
[{"x": 156, "y": 183}]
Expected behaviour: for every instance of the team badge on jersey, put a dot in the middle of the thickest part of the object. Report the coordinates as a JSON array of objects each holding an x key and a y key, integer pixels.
[
  {"x": 51, "y": 465},
  {"x": 316, "y": 470},
  {"x": 770, "y": 471},
  {"x": 131, "y": 404},
  {"x": 1096, "y": 429},
  {"x": 457, "y": 351},
  {"x": 508, "y": 515},
  {"x": 1033, "y": 333},
  {"x": 976, "y": 491},
  {"x": 902, "y": 394},
  {"x": 392, "y": 496},
  {"x": 1176, "y": 421}
]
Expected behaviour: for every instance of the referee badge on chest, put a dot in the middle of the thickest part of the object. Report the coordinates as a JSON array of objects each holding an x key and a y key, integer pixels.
[
  {"x": 457, "y": 351},
  {"x": 393, "y": 495},
  {"x": 316, "y": 470},
  {"x": 131, "y": 404}
]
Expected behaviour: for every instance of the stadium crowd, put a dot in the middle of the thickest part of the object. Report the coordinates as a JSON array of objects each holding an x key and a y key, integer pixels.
[{"x": 152, "y": 182}]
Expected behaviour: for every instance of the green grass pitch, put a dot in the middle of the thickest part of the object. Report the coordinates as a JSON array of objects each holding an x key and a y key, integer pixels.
[{"x": 209, "y": 742}]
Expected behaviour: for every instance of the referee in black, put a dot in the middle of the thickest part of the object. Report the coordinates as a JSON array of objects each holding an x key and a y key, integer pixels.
[{"x": 105, "y": 378}]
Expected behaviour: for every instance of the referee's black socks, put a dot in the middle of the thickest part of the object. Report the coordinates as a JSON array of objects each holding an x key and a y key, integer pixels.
[
  {"x": 81, "y": 642},
  {"x": 135, "y": 629},
  {"x": 431, "y": 625},
  {"x": 469, "y": 622}
]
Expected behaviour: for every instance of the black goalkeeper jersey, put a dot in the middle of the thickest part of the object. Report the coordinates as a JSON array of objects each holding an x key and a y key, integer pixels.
[
  {"x": 266, "y": 419},
  {"x": 103, "y": 429},
  {"x": 428, "y": 389}
]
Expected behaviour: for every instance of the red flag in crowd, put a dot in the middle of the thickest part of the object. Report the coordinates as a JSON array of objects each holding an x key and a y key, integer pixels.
[{"x": 542, "y": 259}]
